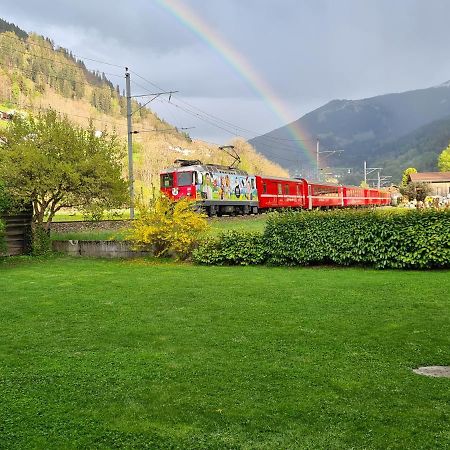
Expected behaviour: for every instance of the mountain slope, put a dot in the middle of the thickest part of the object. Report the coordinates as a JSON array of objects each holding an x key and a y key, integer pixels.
[
  {"x": 420, "y": 149},
  {"x": 34, "y": 75},
  {"x": 359, "y": 127}
]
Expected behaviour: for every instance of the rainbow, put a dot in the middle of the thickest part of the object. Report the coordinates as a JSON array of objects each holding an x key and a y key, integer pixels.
[{"x": 237, "y": 61}]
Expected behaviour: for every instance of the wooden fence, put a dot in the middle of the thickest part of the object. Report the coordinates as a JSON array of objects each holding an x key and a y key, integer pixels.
[{"x": 18, "y": 233}]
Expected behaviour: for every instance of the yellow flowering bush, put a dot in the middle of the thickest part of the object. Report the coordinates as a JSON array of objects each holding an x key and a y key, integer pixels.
[{"x": 166, "y": 227}]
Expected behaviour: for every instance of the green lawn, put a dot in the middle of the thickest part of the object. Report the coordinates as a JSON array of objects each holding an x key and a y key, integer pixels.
[{"x": 138, "y": 354}]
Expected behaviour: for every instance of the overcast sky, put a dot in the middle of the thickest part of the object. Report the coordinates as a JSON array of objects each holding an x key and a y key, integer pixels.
[{"x": 307, "y": 52}]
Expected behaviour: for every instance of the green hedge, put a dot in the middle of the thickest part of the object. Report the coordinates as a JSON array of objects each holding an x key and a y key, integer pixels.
[
  {"x": 407, "y": 239},
  {"x": 232, "y": 248}
]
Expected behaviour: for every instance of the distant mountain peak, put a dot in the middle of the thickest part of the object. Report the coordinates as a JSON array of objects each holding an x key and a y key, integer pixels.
[{"x": 446, "y": 84}]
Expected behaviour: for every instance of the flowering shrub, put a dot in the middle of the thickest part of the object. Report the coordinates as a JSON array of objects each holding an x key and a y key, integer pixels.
[{"x": 166, "y": 227}]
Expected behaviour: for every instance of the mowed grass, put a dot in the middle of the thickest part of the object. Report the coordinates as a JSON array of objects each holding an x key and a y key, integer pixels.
[{"x": 139, "y": 354}]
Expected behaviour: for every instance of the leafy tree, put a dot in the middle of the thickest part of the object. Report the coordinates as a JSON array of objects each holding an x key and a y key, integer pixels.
[
  {"x": 416, "y": 191},
  {"x": 52, "y": 163},
  {"x": 444, "y": 160},
  {"x": 406, "y": 174}
]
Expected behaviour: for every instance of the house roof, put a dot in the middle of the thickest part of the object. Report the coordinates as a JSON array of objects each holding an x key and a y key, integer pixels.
[{"x": 430, "y": 177}]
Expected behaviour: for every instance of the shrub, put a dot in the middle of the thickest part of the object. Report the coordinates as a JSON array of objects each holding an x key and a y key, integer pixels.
[
  {"x": 166, "y": 227},
  {"x": 2, "y": 237},
  {"x": 408, "y": 239},
  {"x": 231, "y": 248}
]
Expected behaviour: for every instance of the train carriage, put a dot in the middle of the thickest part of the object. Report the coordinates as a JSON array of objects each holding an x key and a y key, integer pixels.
[
  {"x": 281, "y": 192},
  {"x": 228, "y": 190}
]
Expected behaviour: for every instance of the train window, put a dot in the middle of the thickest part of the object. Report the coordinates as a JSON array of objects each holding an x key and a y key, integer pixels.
[
  {"x": 167, "y": 180},
  {"x": 198, "y": 178},
  {"x": 286, "y": 189},
  {"x": 280, "y": 189},
  {"x": 264, "y": 188},
  {"x": 184, "y": 178},
  {"x": 252, "y": 181}
]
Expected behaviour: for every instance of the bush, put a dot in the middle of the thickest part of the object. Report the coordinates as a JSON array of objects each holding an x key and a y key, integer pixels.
[
  {"x": 2, "y": 237},
  {"x": 384, "y": 239},
  {"x": 410, "y": 239},
  {"x": 166, "y": 227},
  {"x": 231, "y": 248}
]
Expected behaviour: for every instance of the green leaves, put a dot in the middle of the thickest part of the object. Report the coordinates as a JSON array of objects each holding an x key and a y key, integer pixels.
[
  {"x": 383, "y": 239},
  {"x": 444, "y": 160},
  {"x": 232, "y": 248},
  {"x": 53, "y": 163}
]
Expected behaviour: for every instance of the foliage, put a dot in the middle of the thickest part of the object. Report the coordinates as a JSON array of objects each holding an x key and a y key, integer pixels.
[
  {"x": 2, "y": 236},
  {"x": 231, "y": 248},
  {"x": 444, "y": 160},
  {"x": 146, "y": 355},
  {"x": 53, "y": 163},
  {"x": 41, "y": 242},
  {"x": 384, "y": 239},
  {"x": 166, "y": 227},
  {"x": 416, "y": 191},
  {"x": 407, "y": 172},
  {"x": 5, "y": 199}
]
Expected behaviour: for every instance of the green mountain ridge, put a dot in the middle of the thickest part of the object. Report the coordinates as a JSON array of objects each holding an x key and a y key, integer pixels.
[{"x": 369, "y": 129}]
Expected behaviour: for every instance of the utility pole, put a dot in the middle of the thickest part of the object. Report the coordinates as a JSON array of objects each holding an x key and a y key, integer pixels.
[
  {"x": 369, "y": 170},
  {"x": 130, "y": 142},
  {"x": 318, "y": 153},
  {"x": 317, "y": 159},
  {"x": 131, "y": 131}
]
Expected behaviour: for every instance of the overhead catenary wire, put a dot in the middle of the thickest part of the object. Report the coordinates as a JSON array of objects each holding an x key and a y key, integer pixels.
[{"x": 224, "y": 121}]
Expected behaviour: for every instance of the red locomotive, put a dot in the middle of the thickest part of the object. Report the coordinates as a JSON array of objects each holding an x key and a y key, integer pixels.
[{"x": 227, "y": 190}]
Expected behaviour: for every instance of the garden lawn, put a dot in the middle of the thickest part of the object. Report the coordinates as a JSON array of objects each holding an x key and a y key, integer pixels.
[{"x": 138, "y": 354}]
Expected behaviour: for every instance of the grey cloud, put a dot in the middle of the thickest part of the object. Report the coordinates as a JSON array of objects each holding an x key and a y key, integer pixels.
[{"x": 308, "y": 52}]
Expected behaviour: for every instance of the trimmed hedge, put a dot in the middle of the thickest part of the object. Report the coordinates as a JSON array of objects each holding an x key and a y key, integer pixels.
[
  {"x": 404, "y": 239},
  {"x": 232, "y": 248}
]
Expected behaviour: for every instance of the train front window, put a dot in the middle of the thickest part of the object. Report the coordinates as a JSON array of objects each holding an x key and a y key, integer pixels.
[
  {"x": 184, "y": 178},
  {"x": 167, "y": 180}
]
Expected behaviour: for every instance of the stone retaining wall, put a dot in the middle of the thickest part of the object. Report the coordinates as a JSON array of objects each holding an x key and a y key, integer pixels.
[
  {"x": 100, "y": 225},
  {"x": 98, "y": 249}
]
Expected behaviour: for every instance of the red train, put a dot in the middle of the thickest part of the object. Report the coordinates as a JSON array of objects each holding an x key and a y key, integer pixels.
[{"x": 224, "y": 190}]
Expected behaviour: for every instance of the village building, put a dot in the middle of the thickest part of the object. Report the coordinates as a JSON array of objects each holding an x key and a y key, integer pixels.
[{"x": 438, "y": 181}]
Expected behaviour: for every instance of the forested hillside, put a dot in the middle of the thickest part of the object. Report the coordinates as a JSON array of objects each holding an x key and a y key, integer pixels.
[
  {"x": 383, "y": 129},
  {"x": 35, "y": 74}
]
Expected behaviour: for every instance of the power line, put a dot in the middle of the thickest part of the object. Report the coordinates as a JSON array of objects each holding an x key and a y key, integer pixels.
[
  {"x": 227, "y": 122},
  {"x": 41, "y": 108},
  {"x": 199, "y": 116}
]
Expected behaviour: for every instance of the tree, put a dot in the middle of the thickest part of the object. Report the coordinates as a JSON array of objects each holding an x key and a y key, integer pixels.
[
  {"x": 416, "y": 191},
  {"x": 406, "y": 174},
  {"x": 52, "y": 163},
  {"x": 444, "y": 160}
]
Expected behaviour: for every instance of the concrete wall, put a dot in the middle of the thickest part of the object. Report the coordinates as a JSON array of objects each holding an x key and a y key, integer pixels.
[{"x": 98, "y": 249}]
